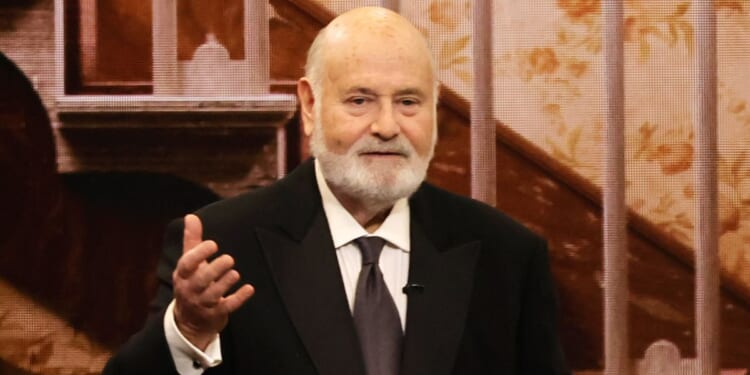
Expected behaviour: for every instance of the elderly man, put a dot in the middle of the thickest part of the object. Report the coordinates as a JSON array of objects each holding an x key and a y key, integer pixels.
[{"x": 352, "y": 264}]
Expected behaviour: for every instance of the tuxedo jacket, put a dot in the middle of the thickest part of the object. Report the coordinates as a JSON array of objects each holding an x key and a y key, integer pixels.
[{"x": 486, "y": 304}]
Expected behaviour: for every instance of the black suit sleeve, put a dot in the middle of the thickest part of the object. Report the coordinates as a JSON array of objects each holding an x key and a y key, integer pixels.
[
  {"x": 145, "y": 353},
  {"x": 539, "y": 345}
]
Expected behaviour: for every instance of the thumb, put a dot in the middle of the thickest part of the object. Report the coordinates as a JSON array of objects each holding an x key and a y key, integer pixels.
[{"x": 193, "y": 233}]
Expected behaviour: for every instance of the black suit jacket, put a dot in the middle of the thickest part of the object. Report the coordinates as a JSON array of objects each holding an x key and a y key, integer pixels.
[{"x": 487, "y": 306}]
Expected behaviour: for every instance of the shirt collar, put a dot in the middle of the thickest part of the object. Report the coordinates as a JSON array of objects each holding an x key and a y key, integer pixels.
[{"x": 344, "y": 228}]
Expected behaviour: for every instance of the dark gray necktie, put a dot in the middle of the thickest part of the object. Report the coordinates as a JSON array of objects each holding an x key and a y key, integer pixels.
[{"x": 375, "y": 314}]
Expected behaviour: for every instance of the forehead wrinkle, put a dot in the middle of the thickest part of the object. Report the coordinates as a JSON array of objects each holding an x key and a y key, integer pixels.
[
  {"x": 361, "y": 90},
  {"x": 375, "y": 50}
]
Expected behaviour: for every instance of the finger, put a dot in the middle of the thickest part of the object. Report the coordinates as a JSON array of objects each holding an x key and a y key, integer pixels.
[
  {"x": 234, "y": 301},
  {"x": 191, "y": 260},
  {"x": 212, "y": 295},
  {"x": 192, "y": 234},
  {"x": 210, "y": 272}
]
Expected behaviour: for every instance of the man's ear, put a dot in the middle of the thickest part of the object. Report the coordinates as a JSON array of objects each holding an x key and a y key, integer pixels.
[{"x": 307, "y": 102}]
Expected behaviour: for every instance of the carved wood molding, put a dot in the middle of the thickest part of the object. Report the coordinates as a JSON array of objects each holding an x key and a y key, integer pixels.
[
  {"x": 229, "y": 145},
  {"x": 276, "y": 107}
]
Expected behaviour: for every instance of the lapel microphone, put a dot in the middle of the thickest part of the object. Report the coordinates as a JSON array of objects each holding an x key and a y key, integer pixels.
[{"x": 412, "y": 288}]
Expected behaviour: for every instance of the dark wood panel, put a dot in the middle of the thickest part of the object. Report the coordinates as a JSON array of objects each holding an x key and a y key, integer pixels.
[
  {"x": 104, "y": 59},
  {"x": 84, "y": 246}
]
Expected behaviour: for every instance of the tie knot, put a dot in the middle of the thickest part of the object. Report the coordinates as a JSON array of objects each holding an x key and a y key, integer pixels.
[{"x": 370, "y": 247}]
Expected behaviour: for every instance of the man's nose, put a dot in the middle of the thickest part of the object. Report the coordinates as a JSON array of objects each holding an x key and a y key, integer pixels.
[{"x": 386, "y": 125}]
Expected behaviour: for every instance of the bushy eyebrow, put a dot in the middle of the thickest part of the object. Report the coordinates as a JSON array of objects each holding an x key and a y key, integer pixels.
[
  {"x": 413, "y": 91},
  {"x": 403, "y": 92}
]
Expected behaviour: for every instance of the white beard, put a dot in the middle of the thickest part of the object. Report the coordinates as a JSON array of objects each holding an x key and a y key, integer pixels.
[{"x": 377, "y": 184}]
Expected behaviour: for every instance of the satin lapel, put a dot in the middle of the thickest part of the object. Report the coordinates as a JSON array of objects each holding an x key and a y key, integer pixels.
[
  {"x": 309, "y": 282},
  {"x": 436, "y": 316}
]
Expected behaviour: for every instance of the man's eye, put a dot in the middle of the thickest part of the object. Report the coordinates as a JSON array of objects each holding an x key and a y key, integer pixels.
[
  {"x": 409, "y": 102},
  {"x": 358, "y": 101}
]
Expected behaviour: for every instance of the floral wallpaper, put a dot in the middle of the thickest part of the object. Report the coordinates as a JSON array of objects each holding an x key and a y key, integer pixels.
[{"x": 549, "y": 87}]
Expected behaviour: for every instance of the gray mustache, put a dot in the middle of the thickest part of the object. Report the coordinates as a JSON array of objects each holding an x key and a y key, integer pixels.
[{"x": 395, "y": 146}]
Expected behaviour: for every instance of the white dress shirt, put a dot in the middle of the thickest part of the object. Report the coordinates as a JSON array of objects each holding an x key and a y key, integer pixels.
[
  {"x": 394, "y": 263},
  {"x": 394, "y": 260}
]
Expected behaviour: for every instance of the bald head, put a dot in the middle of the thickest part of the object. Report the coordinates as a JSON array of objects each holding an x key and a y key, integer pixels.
[
  {"x": 368, "y": 103},
  {"x": 366, "y": 31}
]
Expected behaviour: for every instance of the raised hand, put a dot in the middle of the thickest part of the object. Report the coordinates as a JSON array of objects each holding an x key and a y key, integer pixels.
[{"x": 201, "y": 310}]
